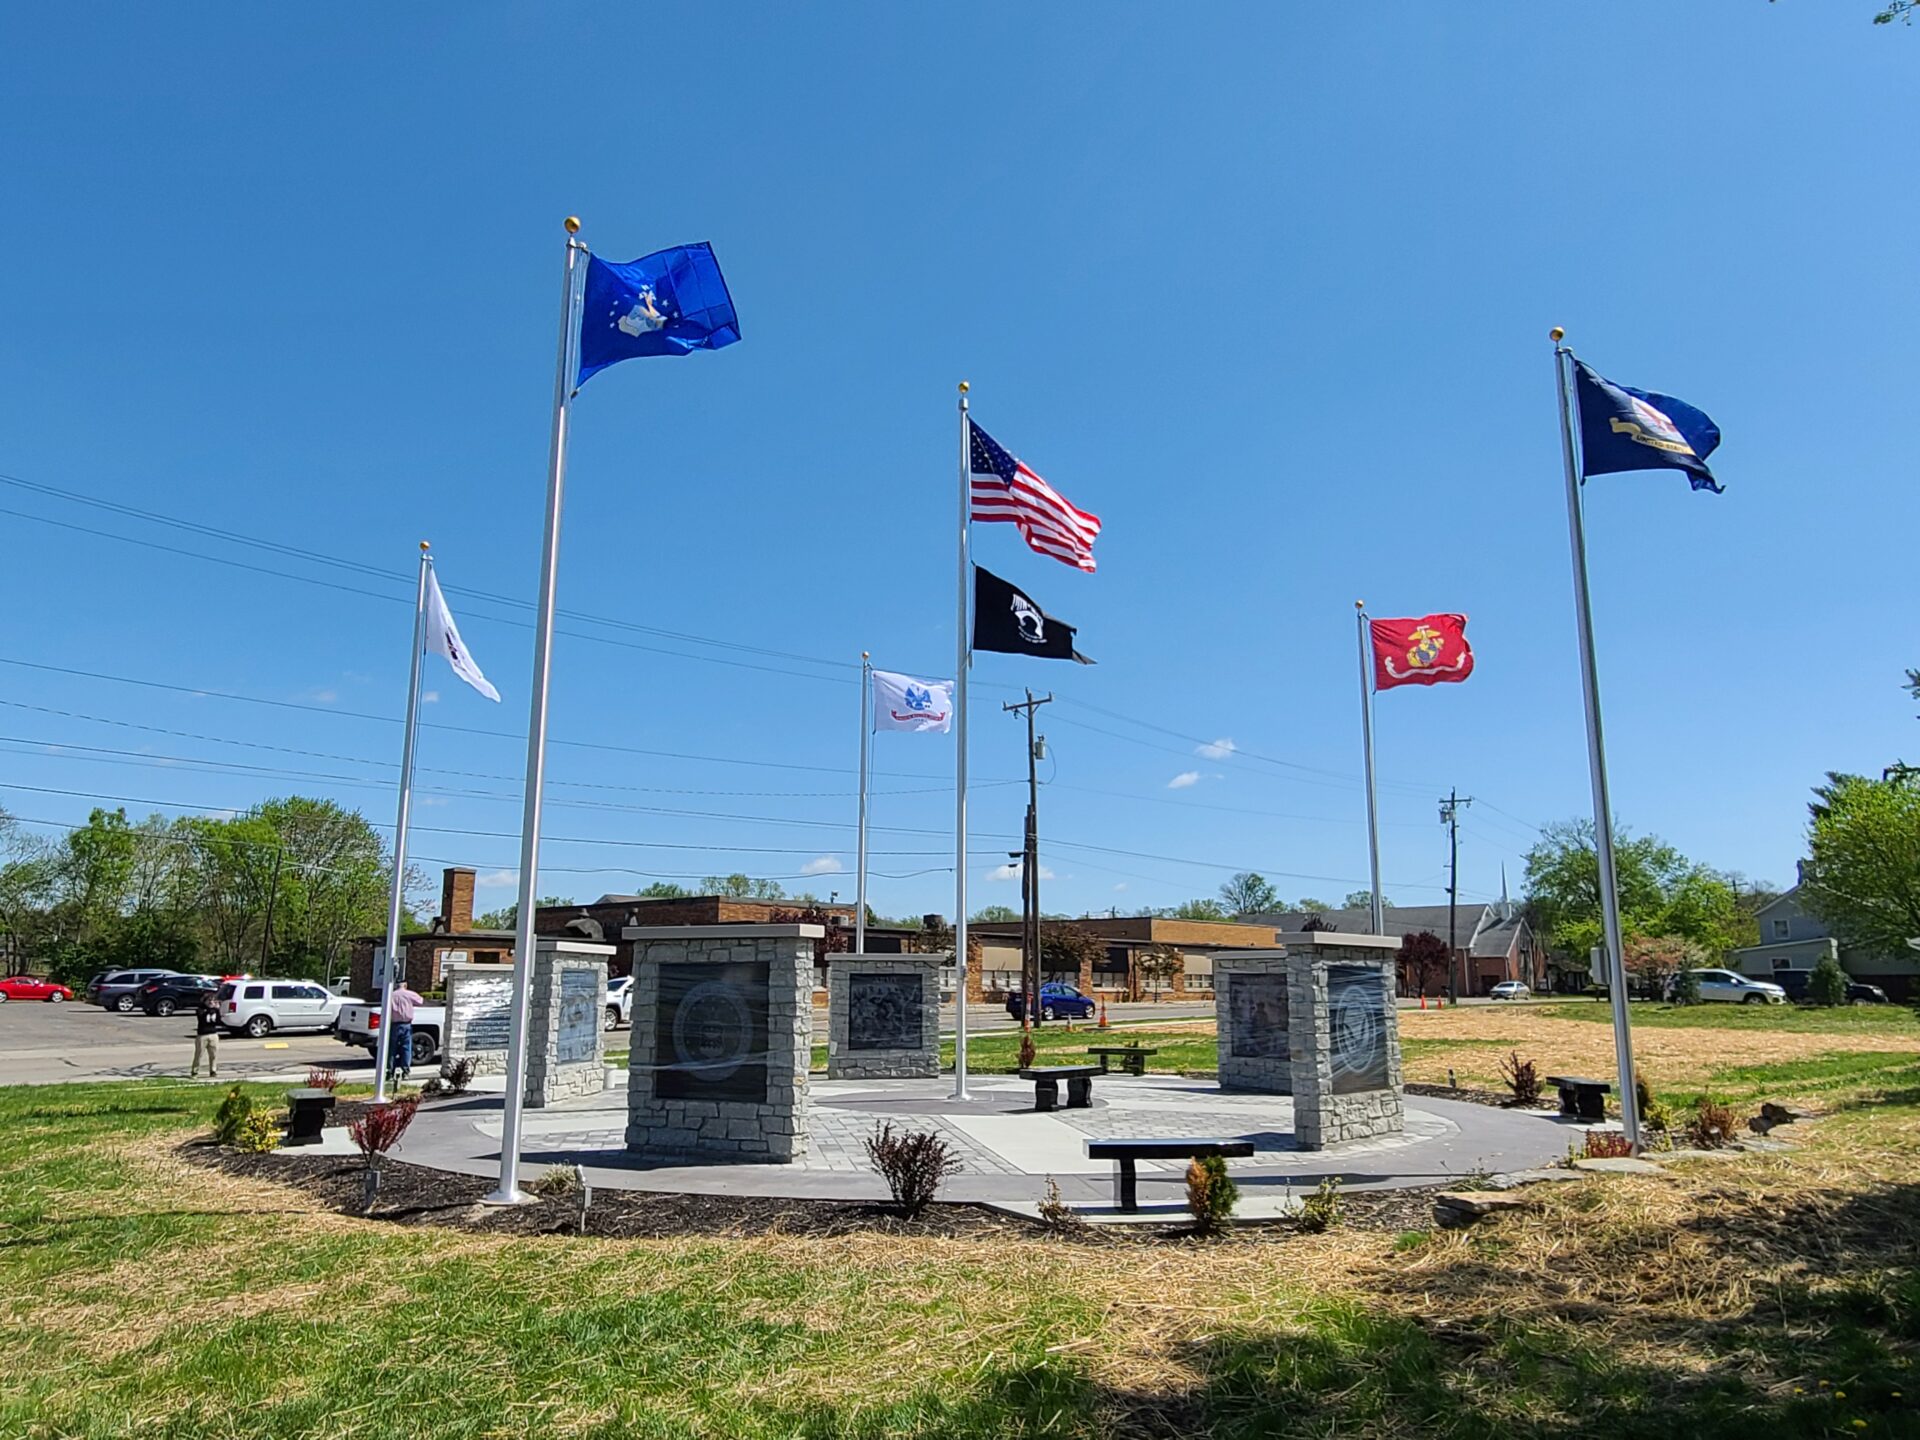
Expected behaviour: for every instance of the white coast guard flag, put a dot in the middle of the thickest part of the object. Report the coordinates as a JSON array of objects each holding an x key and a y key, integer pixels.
[
  {"x": 443, "y": 638},
  {"x": 901, "y": 702}
]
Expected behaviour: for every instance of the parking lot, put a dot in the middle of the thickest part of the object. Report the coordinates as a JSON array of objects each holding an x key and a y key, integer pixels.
[{"x": 41, "y": 1044}]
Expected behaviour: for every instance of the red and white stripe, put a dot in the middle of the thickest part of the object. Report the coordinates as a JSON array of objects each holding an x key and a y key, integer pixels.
[{"x": 1051, "y": 523}]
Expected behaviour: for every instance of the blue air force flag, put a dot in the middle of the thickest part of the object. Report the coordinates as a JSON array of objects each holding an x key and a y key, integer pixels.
[
  {"x": 901, "y": 702},
  {"x": 668, "y": 303},
  {"x": 1622, "y": 428}
]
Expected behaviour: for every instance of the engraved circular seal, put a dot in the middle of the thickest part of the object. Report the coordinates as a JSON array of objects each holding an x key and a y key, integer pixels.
[
  {"x": 1358, "y": 1029},
  {"x": 712, "y": 1030}
]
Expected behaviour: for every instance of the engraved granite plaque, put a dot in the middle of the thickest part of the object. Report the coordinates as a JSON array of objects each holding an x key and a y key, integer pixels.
[
  {"x": 710, "y": 1037},
  {"x": 487, "y": 1004},
  {"x": 1258, "y": 1011},
  {"x": 883, "y": 1012},
  {"x": 579, "y": 1033},
  {"x": 1357, "y": 1000}
]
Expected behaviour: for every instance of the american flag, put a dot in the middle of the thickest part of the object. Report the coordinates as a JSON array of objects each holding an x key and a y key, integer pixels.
[{"x": 1005, "y": 489}]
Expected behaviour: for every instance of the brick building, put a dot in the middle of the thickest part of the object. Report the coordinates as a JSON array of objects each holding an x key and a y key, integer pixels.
[{"x": 1118, "y": 974}]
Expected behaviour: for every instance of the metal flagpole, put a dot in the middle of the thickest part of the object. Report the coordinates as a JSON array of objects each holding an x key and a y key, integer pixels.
[
  {"x": 395, "y": 965},
  {"x": 1597, "y": 760},
  {"x": 964, "y": 644},
  {"x": 860, "y": 880},
  {"x": 1366, "y": 734},
  {"x": 524, "y": 941}
]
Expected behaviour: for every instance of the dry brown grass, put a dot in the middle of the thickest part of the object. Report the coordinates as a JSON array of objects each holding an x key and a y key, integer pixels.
[{"x": 1677, "y": 1055}]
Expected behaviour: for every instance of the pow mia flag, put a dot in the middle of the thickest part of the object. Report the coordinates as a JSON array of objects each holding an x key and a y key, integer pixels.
[{"x": 1007, "y": 620}]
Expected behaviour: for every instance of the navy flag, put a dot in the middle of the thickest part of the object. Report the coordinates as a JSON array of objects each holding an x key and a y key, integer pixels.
[
  {"x": 1007, "y": 620},
  {"x": 669, "y": 303},
  {"x": 1622, "y": 428}
]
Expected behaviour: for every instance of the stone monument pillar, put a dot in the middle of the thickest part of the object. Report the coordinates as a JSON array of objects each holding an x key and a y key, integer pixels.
[
  {"x": 478, "y": 1009},
  {"x": 722, "y": 1040},
  {"x": 1345, "y": 1037},
  {"x": 566, "y": 1039},
  {"x": 1253, "y": 1003},
  {"x": 883, "y": 1016}
]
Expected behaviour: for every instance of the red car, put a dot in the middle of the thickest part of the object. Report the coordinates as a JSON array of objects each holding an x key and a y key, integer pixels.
[{"x": 29, "y": 987}]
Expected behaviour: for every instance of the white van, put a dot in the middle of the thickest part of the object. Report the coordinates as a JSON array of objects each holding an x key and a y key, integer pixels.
[{"x": 258, "y": 1007}]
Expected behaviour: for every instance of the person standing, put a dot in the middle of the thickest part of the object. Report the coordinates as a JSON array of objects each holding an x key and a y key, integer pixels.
[
  {"x": 206, "y": 1036},
  {"x": 400, "y": 1041}
]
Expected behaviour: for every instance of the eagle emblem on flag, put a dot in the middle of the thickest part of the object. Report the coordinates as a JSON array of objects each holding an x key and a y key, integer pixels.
[{"x": 1431, "y": 650}]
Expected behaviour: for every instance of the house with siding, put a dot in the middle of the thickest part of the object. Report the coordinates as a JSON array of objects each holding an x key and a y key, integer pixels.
[{"x": 1793, "y": 939}]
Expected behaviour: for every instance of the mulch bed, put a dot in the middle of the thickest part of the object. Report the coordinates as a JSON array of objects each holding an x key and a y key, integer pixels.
[
  {"x": 1499, "y": 1099},
  {"x": 416, "y": 1195}
]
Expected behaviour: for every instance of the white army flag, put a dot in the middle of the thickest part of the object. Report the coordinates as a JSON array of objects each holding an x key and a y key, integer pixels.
[
  {"x": 443, "y": 638},
  {"x": 901, "y": 702}
]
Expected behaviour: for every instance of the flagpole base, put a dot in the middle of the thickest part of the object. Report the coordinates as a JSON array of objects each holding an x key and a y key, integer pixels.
[
  {"x": 960, "y": 1092},
  {"x": 507, "y": 1197}
]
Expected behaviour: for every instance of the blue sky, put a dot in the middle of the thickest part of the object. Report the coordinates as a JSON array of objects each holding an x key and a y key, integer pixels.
[{"x": 1266, "y": 287}]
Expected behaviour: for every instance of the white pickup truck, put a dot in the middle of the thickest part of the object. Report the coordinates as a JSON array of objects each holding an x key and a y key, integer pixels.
[{"x": 359, "y": 1025}]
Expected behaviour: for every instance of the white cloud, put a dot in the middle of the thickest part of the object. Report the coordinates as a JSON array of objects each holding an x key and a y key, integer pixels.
[
  {"x": 1011, "y": 871},
  {"x": 429, "y": 697},
  {"x": 1118, "y": 888},
  {"x": 1219, "y": 750},
  {"x": 497, "y": 879},
  {"x": 823, "y": 865},
  {"x": 324, "y": 697},
  {"x": 433, "y": 799},
  {"x": 1184, "y": 779}
]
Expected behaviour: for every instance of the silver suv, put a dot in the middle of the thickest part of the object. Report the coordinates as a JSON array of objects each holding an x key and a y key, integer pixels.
[
  {"x": 261, "y": 1006},
  {"x": 1733, "y": 988}
]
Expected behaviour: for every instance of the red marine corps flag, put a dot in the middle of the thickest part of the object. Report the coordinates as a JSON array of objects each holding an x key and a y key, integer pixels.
[{"x": 1432, "y": 650}]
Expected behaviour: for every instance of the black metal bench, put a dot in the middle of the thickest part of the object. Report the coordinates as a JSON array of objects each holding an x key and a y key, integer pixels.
[
  {"x": 307, "y": 1115},
  {"x": 1582, "y": 1097},
  {"x": 1046, "y": 1085},
  {"x": 1126, "y": 1152},
  {"x": 1133, "y": 1058}
]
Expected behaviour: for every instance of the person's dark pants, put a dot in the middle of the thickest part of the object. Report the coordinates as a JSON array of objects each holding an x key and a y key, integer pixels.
[{"x": 400, "y": 1048}]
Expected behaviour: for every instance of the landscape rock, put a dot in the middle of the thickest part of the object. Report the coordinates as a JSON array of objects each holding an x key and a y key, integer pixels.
[
  {"x": 1619, "y": 1165},
  {"x": 1455, "y": 1208}
]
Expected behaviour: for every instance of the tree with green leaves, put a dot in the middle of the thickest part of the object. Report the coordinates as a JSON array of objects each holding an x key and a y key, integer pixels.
[
  {"x": 665, "y": 890},
  {"x": 1249, "y": 894},
  {"x": 507, "y": 917},
  {"x": 1661, "y": 892},
  {"x": 994, "y": 914},
  {"x": 1205, "y": 908},
  {"x": 1362, "y": 900},
  {"x": 1320, "y": 907},
  {"x": 742, "y": 887},
  {"x": 1827, "y": 985},
  {"x": 1862, "y": 875}
]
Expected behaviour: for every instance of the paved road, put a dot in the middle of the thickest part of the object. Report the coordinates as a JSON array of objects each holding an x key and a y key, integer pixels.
[{"x": 42, "y": 1044}]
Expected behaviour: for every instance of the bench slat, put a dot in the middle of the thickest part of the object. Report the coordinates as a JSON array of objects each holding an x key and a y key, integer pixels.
[{"x": 1165, "y": 1149}]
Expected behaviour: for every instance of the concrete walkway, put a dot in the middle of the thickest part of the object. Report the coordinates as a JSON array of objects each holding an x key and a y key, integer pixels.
[{"x": 1008, "y": 1151}]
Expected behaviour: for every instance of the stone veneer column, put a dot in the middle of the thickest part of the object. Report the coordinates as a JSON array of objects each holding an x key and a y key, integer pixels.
[
  {"x": 852, "y": 1055},
  {"x": 566, "y": 1036},
  {"x": 477, "y": 1007},
  {"x": 1252, "y": 1002},
  {"x": 702, "y": 1084},
  {"x": 1329, "y": 1107}
]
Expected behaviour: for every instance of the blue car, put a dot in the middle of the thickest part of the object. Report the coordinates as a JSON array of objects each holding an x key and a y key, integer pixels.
[{"x": 1057, "y": 1002}]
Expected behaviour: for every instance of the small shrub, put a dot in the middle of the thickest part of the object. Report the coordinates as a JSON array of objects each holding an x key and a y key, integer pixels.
[
  {"x": 1654, "y": 1112},
  {"x": 913, "y": 1165},
  {"x": 258, "y": 1133},
  {"x": 1211, "y": 1194},
  {"x": 1522, "y": 1077},
  {"x": 433, "y": 1088},
  {"x": 1055, "y": 1213},
  {"x": 458, "y": 1075},
  {"x": 1827, "y": 985},
  {"x": 1026, "y": 1047},
  {"x": 1607, "y": 1145},
  {"x": 1714, "y": 1124},
  {"x": 1686, "y": 988},
  {"x": 1320, "y": 1211},
  {"x": 232, "y": 1113},
  {"x": 558, "y": 1180},
  {"x": 323, "y": 1077},
  {"x": 380, "y": 1129}
]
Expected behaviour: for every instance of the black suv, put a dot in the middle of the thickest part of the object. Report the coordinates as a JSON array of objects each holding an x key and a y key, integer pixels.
[
  {"x": 176, "y": 992},
  {"x": 1794, "y": 982}
]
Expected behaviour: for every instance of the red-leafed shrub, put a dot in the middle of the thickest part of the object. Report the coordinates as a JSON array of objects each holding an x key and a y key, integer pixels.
[
  {"x": 323, "y": 1077},
  {"x": 380, "y": 1129},
  {"x": 1607, "y": 1145}
]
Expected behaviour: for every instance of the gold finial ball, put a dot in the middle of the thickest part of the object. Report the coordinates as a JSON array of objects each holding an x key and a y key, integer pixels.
[
  {"x": 1556, "y": 334},
  {"x": 1359, "y": 604},
  {"x": 572, "y": 223},
  {"x": 963, "y": 387},
  {"x": 425, "y": 546}
]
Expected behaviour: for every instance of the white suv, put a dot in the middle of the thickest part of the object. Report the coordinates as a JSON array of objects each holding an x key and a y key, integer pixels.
[
  {"x": 1735, "y": 989},
  {"x": 259, "y": 1007}
]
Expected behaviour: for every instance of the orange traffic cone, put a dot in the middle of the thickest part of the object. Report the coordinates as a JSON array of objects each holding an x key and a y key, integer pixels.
[{"x": 1423, "y": 999}]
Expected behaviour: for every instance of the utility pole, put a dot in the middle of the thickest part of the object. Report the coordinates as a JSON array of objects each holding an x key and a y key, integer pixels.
[
  {"x": 1450, "y": 817},
  {"x": 1030, "y": 862}
]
